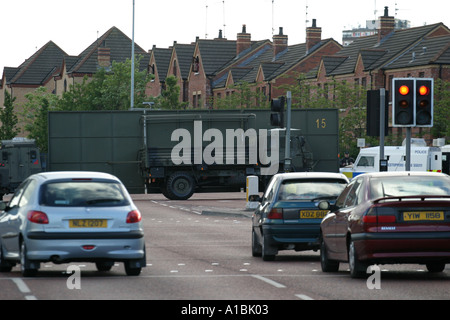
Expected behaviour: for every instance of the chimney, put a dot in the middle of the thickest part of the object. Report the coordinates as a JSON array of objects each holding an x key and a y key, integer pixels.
[
  {"x": 313, "y": 36},
  {"x": 220, "y": 37},
  {"x": 104, "y": 57},
  {"x": 387, "y": 25},
  {"x": 244, "y": 40},
  {"x": 280, "y": 43}
]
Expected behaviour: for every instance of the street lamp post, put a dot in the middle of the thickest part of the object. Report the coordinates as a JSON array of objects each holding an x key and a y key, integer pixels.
[{"x": 132, "y": 61}]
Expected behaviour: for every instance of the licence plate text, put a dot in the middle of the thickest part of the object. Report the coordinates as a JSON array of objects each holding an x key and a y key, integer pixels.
[
  {"x": 88, "y": 223},
  {"x": 423, "y": 215},
  {"x": 312, "y": 214}
]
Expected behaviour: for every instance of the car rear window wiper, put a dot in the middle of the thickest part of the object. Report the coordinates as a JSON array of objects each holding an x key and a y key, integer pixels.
[{"x": 102, "y": 200}]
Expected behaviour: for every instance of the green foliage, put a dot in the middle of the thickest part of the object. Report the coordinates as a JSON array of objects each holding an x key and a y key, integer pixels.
[
  {"x": 107, "y": 89},
  {"x": 244, "y": 96},
  {"x": 35, "y": 114},
  {"x": 441, "y": 118},
  {"x": 170, "y": 97},
  {"x": 8, "y": 119}
]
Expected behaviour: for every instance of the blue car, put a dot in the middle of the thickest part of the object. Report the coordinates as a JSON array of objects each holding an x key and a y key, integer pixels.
[{"x": 288, "y": 217}]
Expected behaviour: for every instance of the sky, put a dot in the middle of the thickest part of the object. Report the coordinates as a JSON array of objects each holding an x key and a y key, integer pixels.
[{"x": 27, "y": 25}]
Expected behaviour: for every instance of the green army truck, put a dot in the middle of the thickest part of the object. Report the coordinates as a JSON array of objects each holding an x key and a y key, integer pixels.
[
  {"x": 19, "y": 158},
  {"x": 178, "y": 153}
]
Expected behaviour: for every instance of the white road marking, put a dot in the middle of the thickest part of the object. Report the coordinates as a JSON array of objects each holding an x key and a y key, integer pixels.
[
  {"x": 303, "y": 297},
  {"x": 271, "y": 282},
  {"x": 21, "y": 285}
]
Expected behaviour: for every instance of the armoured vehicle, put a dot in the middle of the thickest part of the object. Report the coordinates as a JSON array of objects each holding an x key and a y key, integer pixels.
[
  {"x": 19, "y": 158},
  {"x": 181, "y": 152}
]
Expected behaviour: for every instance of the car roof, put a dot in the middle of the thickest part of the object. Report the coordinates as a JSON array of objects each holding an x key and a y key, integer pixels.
[
  {"x": 402, "y": 174},
  {"x": 309, "y": 175},
  {"x": 58, "y": 175}
]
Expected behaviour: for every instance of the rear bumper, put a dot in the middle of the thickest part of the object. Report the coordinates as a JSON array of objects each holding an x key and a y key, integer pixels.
[
  {"x": 41, "y": 235},
  {"x": 293, "y": 234},
  {"x": 414, "y": 247},
  {"x": 68, "y": 249}
]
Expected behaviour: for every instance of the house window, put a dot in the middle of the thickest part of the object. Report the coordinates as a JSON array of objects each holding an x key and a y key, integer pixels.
[
  {"x": 199, "y": 100},
  {"x": 195, "y": 64},
  {"x": 175, "y": 69},
  {"x": 196, "y": 99}
]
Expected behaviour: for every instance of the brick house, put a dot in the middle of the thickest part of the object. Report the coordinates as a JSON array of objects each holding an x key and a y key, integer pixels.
[
  {"x": 373, "y": 61},
  {"x": 207, "y": 69},
  {"x": 217, "y": 64},
  {"x": 42, "y": 69},
  {"x": 54, "y": 69}
]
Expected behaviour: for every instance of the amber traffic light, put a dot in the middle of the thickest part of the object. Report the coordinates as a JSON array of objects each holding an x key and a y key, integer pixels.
[
  {"x": 424, "y": 102},
  {"x": 403, "y": 103}
]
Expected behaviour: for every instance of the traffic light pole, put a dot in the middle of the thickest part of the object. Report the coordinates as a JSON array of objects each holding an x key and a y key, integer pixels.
[
  {"x": 408, "y": 149},
  {"x": 287, "y": 152},
  {"x": 382, "y": 121}
]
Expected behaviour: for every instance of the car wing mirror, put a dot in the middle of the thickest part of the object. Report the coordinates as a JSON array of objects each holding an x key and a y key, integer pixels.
[
  {"x": 325, "y": 205},
  {"x": 254, "y": 198}
]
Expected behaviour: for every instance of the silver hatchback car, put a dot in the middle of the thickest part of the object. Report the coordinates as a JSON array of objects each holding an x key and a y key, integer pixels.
[{"x": 71, "y": 217}]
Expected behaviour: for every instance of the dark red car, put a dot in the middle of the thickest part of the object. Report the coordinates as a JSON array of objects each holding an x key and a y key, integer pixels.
[{"x": 386, "y": 218}]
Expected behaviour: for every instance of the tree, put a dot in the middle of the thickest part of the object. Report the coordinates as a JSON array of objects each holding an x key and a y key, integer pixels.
[
  {"x": 244, "y": 96},
  {"x": 8, "y": 118},
  {"x": 108, "y": 89},
  {"x": 35, "y": 114},
  {"x": 170, "y": 96},
  {"x": 441, "y": 118}
]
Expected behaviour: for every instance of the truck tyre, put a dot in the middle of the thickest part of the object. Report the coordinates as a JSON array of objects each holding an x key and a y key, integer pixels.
[{"x": 180, "y": 186}]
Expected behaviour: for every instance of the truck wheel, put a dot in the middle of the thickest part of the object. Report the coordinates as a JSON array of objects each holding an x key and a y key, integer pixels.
[{"x": 180, "y": 186}]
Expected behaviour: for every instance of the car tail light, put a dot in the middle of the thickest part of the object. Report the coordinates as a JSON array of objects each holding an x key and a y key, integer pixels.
[
  {"x": 37, "y": 217},
  {"x": 134, "y": 216},
  {"x": 374, "y": 219},
  {"x": 275, "y": 213}
]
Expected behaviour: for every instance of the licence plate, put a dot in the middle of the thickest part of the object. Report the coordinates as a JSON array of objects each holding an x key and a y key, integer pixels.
[
  {"x": 423, "y": 216},
  {"x": 88, "y": 223},
  {"x": 312, "y": 214}
]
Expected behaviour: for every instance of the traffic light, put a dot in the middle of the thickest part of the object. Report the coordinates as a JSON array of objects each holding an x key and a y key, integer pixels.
[
  {"x": 403, "y": 103},
  {"x": 424, "y": 102},
  {"x": 373, "y": 113},
  {"x": 277, "y": 115}
]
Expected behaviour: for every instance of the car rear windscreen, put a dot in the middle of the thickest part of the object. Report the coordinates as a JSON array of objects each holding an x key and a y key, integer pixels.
[{"x": 82, "y": 193}]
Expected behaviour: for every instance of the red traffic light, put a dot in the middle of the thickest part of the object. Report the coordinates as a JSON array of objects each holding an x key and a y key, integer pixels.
[
  {"x": 403, "y": 90},
  {"x": 424, "y": 90}
]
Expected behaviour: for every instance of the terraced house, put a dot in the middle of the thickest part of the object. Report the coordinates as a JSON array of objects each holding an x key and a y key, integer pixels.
[{"x": 208, "y": 70}]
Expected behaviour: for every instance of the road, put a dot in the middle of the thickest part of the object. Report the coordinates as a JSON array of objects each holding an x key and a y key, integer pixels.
[{"x": 200, "y": 249}]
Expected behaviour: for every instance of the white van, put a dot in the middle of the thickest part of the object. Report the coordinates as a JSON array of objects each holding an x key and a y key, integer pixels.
[{"x": 422, "y": 159}]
